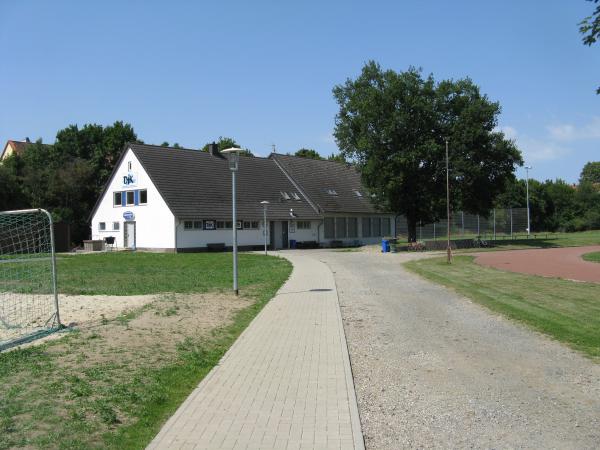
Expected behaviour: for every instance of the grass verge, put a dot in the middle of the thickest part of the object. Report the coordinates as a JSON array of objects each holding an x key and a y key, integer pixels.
[
  {"x": 113, "y": 384},
  {"x": 594, "y": 257},
  {"x": 565, "y": 310}
]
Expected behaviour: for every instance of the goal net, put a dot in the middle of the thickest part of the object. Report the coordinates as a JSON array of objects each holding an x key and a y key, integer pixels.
[{"x": 28, "y": 297}]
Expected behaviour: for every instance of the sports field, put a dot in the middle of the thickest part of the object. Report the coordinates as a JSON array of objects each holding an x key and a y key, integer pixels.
[
  {"x": 568, "y": 311},
  {"x": 114, "y": 379}
]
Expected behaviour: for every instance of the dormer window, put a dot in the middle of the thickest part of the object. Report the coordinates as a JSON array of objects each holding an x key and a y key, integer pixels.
[
  {"x": 285, "y": 195},
  {"x": 295, "y": 196},
  {"x": 358, "y": 194},
  {"x": 332, "y": 192}
]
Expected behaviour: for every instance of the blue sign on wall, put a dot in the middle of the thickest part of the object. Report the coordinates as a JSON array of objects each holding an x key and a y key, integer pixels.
[{"x": 128, "y": 215}]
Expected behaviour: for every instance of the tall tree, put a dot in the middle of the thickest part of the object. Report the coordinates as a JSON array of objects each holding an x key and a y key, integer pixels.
[
  {"x": 590, "y": 28},
  {"x": 308, "y": 153},
  {"x": 394, "y": 125},
  {"x": 591, "y": 173}
]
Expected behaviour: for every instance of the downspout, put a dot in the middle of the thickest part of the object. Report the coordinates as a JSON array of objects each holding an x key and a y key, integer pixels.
[
  {"x": 176, "y": 222},
  {"x": 319, "y": 231}
]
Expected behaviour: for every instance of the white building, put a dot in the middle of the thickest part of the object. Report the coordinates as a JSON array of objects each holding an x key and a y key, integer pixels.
[{"x": 167, "y": 199}]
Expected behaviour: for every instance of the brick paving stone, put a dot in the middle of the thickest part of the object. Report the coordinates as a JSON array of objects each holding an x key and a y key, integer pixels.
[{"x": 285, "y": 383}]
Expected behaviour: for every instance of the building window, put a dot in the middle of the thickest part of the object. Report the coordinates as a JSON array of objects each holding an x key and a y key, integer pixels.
[
  {"x": 102, "y": 226},
  {"x": 329, "y": 228},
  {"x": 366, "y": 227},
  {"x": 143, "y": 197},
  {"x": 224, "y": 224},
  {"x": 340, "y": 227},
  {"x": 116, "y": 226},
  {"x": 376, "y": 227},
  {"x": 117, "y": 199},
  {"x": 188, "y": 225},
  {"x": 128, "y": 165},
  {"x": 303, "y": 224},
  {"x": 248, "y": 225},
  {"x": 130, "y": 198},
  {"x": 385, "y": 226},
  {"x": 352, "y": 227},
  {"x": 197, "y": 224}
]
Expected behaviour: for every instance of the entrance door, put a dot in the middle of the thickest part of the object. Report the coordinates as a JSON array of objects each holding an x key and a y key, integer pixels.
[
  {"x": 272, "y": 235},
  {"x": 284, "y": 234},
  {"x": 129, "y": 235}
]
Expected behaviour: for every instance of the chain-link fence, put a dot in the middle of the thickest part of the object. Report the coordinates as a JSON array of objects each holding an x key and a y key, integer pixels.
[{"x": 499, "y": 224}]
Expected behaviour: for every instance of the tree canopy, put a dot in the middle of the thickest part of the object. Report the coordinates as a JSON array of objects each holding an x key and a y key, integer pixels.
[
  {"x": 590, "y": 28},
  {"x": 225, "y": 143},
  {"x": 308, "y": 153},
  {"x": 590, "y": 173},
  {"x": 394, "y": 127}
]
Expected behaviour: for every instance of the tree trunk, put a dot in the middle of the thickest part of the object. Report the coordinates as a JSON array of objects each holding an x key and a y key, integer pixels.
[{"x": 411, "y": 223}]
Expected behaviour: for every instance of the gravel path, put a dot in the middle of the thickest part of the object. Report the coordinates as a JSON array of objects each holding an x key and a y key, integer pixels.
[{"x": 432, "y": 369}]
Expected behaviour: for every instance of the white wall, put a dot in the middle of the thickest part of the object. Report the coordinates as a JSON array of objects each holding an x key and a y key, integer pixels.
[{"x": 154, "y": 221}]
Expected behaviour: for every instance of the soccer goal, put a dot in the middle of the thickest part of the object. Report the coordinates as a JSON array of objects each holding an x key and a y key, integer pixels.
[{"x": 28, "y": 296}]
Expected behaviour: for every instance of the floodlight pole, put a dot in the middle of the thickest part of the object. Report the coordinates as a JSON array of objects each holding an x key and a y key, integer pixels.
[
  {"x": 527, "y": 168},
  {"x": 265, "y": 203},
  {"x": 449, "y": 248}
]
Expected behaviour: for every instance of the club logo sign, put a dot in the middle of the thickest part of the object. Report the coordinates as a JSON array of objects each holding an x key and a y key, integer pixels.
[
  {"x": 128, "y": 215},
  {"x": 130, "y": 179}
]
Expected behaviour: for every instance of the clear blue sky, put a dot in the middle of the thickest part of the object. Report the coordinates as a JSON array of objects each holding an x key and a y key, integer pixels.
[{"x": 262, "y": 72}]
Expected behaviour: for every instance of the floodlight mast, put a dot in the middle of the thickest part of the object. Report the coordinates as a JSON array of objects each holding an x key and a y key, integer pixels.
[
  {"x": 527, "y": 169},
  {"x": 233, "y": 155},
  {"x": 449, "y": 248}
]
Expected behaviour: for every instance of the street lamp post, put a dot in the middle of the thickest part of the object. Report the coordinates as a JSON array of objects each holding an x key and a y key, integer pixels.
[
  {"x": 449, "y": 248},
  {"x": 265, "y": 203},
  {"x": 233, "y": 155},
  {"x": 527, "y": 169}
]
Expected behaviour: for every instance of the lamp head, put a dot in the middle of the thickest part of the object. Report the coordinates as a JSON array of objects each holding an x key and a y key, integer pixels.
[{"x": 233, "y": 155}]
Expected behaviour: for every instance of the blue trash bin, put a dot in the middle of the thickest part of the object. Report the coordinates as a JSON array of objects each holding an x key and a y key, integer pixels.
[
  {"x": 292, "y": 243},
  {"x": 385, "y": 246}
]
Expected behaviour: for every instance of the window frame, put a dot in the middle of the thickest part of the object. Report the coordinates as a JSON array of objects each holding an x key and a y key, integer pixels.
[
  {"x": 140, "y": 196},
  {"x": 188, "y": 225},
  {"x": 127, "y": 198},
  {"x": 198, "y": 224},
  {"x": 116, "y": 226},
  {"x": 120, "y": 203},
  {"x": 300, "y": 224},
  {"x": 101, "y": 226}
]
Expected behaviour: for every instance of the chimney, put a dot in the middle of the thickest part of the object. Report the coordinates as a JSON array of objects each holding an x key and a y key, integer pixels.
[
  {"x": 213, "y": 149},
  {"x": 27, "y": 140}
]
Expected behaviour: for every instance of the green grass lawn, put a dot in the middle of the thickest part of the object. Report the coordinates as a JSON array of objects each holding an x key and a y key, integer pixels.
[
  {"x": 594, "y": 257},
  {"x": 92, "y": 388},
  {"x": 565, "y": 310}
]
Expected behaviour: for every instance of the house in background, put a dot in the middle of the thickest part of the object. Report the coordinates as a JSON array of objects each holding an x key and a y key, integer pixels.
[
  {"x": 169, "y": 199},
  {"x": 14, "y": 148}
]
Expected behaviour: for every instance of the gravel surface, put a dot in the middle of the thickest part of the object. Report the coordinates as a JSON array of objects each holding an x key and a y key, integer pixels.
[{"x": 432, "y": 369}]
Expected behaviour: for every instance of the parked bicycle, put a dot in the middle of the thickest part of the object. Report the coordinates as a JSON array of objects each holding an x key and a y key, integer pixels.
[{"x": 478, "y": 242}]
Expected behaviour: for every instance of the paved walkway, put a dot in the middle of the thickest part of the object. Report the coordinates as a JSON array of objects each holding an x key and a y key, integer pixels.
[{"x": 285, "y": 384}]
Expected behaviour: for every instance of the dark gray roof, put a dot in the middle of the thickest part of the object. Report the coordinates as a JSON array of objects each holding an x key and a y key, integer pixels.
[
  {"x": 331, "y": 185},
  {"x": 196, "y": 184}
]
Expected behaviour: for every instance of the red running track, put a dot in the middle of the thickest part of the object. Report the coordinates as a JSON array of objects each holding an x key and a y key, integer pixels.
[{"x": 564, "y": 263}]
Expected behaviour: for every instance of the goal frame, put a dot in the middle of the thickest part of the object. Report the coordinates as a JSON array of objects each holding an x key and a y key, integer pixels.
[{"x": 29, "y": 337}]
